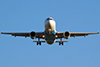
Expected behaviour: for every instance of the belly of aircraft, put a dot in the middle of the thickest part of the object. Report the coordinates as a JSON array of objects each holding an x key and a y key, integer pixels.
[{"x": 50, "y": 39}]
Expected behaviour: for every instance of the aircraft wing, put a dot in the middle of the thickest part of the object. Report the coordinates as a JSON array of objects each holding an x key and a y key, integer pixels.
[
  {"x": 23, "y": 34},
  {"x": 74, "y": 34}
]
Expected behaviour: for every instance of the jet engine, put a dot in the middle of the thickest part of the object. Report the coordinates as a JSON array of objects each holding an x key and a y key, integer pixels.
[
  {"x": 66, "y": 35},
  {"x": 32, "y": 34}
]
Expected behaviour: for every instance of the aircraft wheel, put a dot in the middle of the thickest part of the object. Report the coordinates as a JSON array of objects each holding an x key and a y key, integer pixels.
[
  {"x": 40, "y": 43},
  {"x": 37, "y": 43},
  {"x": 62, "y": 43},
  {"x": 59, "y": 43}
]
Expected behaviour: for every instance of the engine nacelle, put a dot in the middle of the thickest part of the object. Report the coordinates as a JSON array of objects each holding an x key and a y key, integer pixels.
[
  {"x": 66, "y": 35},
  {"x": 32, "y": 35}
]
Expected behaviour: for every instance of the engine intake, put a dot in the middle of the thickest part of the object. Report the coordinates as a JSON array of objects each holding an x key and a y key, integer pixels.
[
  {"x": 32, "y": 34},
  {"x": 66, "y": 35}
]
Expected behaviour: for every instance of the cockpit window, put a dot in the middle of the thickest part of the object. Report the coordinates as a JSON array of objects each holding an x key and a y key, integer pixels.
[{"x": 49, "y": 18}]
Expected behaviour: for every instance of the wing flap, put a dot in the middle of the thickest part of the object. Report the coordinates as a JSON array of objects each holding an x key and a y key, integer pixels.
[
  {"x": 61, "y": 41},
  {"x": 23, "y": 34},
  {"x": 39, "y": 41},
  {"x": 73, "y": 34},
  {"x": 18, "y": 34}
]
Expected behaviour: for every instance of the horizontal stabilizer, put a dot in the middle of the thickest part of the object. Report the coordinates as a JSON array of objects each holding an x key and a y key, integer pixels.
[
  {"x": 61, "y": 41},
  {"x": 39, "y": 41}
]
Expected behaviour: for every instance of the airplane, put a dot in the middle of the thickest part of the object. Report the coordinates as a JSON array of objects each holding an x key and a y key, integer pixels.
[{"x": 50, "y": 34}]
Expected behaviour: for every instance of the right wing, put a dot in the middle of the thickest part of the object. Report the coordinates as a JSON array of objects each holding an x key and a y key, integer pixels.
[{"x": 74, "y": 34}]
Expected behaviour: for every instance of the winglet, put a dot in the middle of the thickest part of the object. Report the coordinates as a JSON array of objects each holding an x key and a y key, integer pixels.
[
  {"x": 1, "y": 32},
  {"x": 97, "y": 32}
]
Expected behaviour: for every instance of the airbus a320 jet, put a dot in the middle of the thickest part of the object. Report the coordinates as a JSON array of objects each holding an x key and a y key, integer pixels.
[{"x": 50, "y": 34}]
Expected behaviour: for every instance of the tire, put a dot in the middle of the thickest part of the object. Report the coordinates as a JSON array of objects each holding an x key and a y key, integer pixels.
[
  {"x": 62, "y": 43},
  {"x": 37, "y": 43},
  {"x": 40, "y": 43},
  {"x": 59, "y": 43}
]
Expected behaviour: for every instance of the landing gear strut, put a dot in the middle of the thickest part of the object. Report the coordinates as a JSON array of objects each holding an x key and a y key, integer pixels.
[
  {"x": 39, "y": 41},
  {"x": 61, "y": 42}
]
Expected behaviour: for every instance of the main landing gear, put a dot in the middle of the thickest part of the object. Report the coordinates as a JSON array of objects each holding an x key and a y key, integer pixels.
[
  {"x": 61, "y": 42},
  {"x": 38, "y": 42}
]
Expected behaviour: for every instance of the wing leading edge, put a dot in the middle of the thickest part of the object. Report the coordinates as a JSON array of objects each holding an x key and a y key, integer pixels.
[
  {"x": 23, "y": 34},
  {"x": 17, "y": 34},
  {"x": 74, "y": 34},
  {"x": 59, "y": 35}
]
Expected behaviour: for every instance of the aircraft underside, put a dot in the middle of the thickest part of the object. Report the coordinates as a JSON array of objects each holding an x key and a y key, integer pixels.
[{"x": 50, "y": 39}]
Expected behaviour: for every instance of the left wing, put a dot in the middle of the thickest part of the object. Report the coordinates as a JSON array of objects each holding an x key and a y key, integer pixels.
[
  {"x": 17, "y": 34},
  {"x": 24, "y": 34}
]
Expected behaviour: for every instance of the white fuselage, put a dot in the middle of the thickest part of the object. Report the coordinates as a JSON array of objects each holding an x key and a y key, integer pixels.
[
  {"x": 50, "y": 24},
  {"x": 50, "y": 30}
]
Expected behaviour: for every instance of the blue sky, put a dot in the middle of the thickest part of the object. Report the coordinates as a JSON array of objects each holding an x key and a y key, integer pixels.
[{"x": 70, "y": 15}]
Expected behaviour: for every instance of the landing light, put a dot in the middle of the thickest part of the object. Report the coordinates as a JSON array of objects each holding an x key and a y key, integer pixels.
[
  {"x": 43, "y": 36},
  {"x": 56, "y": 36}
]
